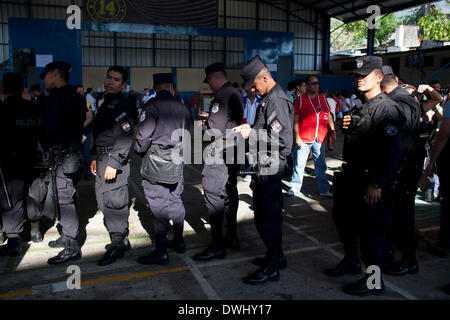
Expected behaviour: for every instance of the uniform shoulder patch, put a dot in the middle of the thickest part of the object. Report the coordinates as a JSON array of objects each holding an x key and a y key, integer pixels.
[
  {"x": 215, "y": 108},
  {"x": 391, "y": 130},
  {"x": 276, "y": 126},
  {"x": 142, "y": 117}
]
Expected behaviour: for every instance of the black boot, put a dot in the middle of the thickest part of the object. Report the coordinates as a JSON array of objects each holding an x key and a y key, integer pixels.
[
  {"x": 404, "y": 266},
  {"x": 177, "y": 243},
  {"x": 126, "y": 242},
  {"x": 159, "y": 255},
  {"x": 12, "y": 248},
  {"x": 216, "y": 249},
  {"x": 360, "y": 288},
  {"x": 36, "y": 235},
  {"x": 266, "y": 273},
  {"x": 116, "y": 250},
  {"x": 58, "y": 243},
  {"x": 345, "y": 267},
  {"x": 71, "y": 252}
]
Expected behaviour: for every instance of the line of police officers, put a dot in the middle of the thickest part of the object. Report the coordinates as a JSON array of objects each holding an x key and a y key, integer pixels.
[{"x": 375, "y": 131}]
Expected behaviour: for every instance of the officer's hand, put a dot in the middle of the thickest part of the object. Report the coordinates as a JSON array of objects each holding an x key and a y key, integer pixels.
[
  {"x": 346, "y": 121},
  {"x": 372, "y": 195},
  {"x": 110, "y": 173},
  {"x": 424, "y": 87},
  {"x": 299, "y": 141},
  {"x": 94, "y": 167},
  {"x": 244, "y": 129}
]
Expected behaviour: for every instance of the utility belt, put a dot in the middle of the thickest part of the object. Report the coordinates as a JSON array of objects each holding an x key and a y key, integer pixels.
[
  {"x": 271, "y": 166},
  {"x": 68, "y": 158},
  {"x": 102, "y": 150}
]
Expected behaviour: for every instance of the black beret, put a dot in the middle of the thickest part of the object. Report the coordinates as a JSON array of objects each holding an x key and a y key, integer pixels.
[
  {"x": 56, "y": 65},
  {"x": 251, "y": 70},
  {"x": 160, "y": 78}
]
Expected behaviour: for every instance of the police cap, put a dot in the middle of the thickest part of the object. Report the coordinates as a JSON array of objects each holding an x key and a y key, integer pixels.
[
  {"x": 214, "y": 67},
  {"x": 160, "y": 78},
  {"x": 251, "y": 70},
  {"x": 13, "y": 82},
  {"x": 56, "y": 65},
  {"x": 366, "y": 64},
  {"x": 387, "y": 70}
]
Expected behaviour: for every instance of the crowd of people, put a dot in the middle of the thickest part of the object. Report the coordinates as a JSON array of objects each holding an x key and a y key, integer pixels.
[{"x": 395, "y": 136}]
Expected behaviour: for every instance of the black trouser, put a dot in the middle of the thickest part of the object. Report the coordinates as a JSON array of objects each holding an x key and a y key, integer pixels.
[
  {"x": 113, "y": 196},
  {"x": 166, "y": 204},
  {"x": 444, "y": 190},
  {"x": 66, "y": 188},
  {"x": 13, "y": 217},
  {"x": 221, "y": 198},
  {"x": 403, "y": 213},
  {"x": 268, "y": 205},
  {"x": 355, "y": 219}
]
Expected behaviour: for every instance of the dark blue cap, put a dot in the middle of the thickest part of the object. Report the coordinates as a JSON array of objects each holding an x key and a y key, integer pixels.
[
  {"x": 160, "y": 78},
  {"x": 251, "y": 70},
  {"x": 56, "y": 65},
  {"x": 366, "y": 64},
  {"x": 214, "y": 67},
  {"x": 387, "y": 70}
]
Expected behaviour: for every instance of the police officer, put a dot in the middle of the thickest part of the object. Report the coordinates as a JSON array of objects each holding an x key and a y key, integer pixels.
[
  {"x": 363, "y": 207},
  {"x": 157, "y": 139},
  {"x": 61, "y": 130},
  {"x": 113, "y": 136},
  {"x": 19, "y": 120},
  {"x": 406, "y": 179},
  {"x": 220, "y": 178},
  {"x": 275, "y": 114}
]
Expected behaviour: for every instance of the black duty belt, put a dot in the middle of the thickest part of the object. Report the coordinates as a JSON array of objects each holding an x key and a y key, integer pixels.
[{"x": 103, "y": 150}]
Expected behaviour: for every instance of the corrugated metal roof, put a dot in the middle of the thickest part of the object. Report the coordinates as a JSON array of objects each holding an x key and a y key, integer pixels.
[{"x": 353, "y": 10}]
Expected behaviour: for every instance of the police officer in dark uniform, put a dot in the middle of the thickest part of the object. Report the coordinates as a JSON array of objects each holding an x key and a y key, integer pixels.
[
  {"x": 363, "y": 207},
  {"x": 158, "y": 141},
  {"x": 113, "y": 136},
  {"x": 19, "y": 121},
  {"x": 410, "y": 170},
  {"x": 274, "y": 114},
  {"x": 61, "y": 130},
  {"x": 220, "y": 178}
]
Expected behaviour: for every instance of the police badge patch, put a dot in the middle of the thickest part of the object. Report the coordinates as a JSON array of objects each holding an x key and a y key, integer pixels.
[
  {"x": 142, "y": 118},
  {"x": 391, "y": 130},
  {"x": 276, "y": 126},
  {"x": 359, "y": 63},
  {"x": 215, "y": 108}
]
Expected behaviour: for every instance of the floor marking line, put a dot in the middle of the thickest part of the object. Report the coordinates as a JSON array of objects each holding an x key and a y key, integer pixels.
[
  {"x": 15, "y": 294},
  {"x": 388, "y": 284},
  {"x": 204, "y": 284}
]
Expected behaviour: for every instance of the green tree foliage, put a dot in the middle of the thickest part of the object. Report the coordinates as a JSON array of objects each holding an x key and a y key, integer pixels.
[{"x": 435, "y": 26}]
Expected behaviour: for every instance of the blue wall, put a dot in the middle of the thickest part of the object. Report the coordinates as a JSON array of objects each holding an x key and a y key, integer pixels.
[{"x": 48, "y": 37}]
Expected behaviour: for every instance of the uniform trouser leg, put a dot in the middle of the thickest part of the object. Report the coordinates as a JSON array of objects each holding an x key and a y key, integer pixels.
[
  {"x": 444, "y": 231},
  {"x": 376, "y": 222},
  {"x": 268, "y": 204},
  {"x": 66, "y": 194},
  {"x": 214, "y": 182},
  {"x": 346, "y": 215},
  {"x": 231, "y": 201},
  {"x": 13, "y": 218},
  {"x": 113, "y": 198},
  {"x": 403, "y": 224},
  {"x": 165, "y": 203}
]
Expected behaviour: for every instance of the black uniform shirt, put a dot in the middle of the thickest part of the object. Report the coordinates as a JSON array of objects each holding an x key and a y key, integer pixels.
[
  {"x": 62, "y": 120},
  {"x": 160, "y": 117},
  {"x": 373, "y": 140},
  {"x": 19, "y": 125},
  {"x": 114, "y": 127},
  {"x": 275, "y": 113},
  {"x": 226, "y": 111}
]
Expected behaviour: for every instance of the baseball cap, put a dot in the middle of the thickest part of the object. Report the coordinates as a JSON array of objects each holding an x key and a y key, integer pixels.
[{"x": 366, "y": 64}]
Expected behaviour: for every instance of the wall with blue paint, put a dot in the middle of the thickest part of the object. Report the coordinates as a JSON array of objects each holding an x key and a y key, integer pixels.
[{"x": 48, "y": 37}]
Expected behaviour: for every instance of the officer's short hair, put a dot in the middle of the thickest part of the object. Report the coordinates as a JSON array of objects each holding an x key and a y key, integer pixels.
[
  {"x": 264, "y": 71},
  {"x": 64, "y": 74},
  {"x": 120, "y": 70},
  {"x": 433, "y": 82},
  {"x": 389, "y": 80},
  {"x": 78, "y": 86}
]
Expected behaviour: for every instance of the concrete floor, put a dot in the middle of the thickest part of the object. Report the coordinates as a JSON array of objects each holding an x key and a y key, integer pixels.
[{"x": 310, "y": 243}]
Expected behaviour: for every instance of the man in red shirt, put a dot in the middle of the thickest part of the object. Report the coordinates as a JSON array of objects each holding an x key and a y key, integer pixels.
[{"x": 312, "y": 121}]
